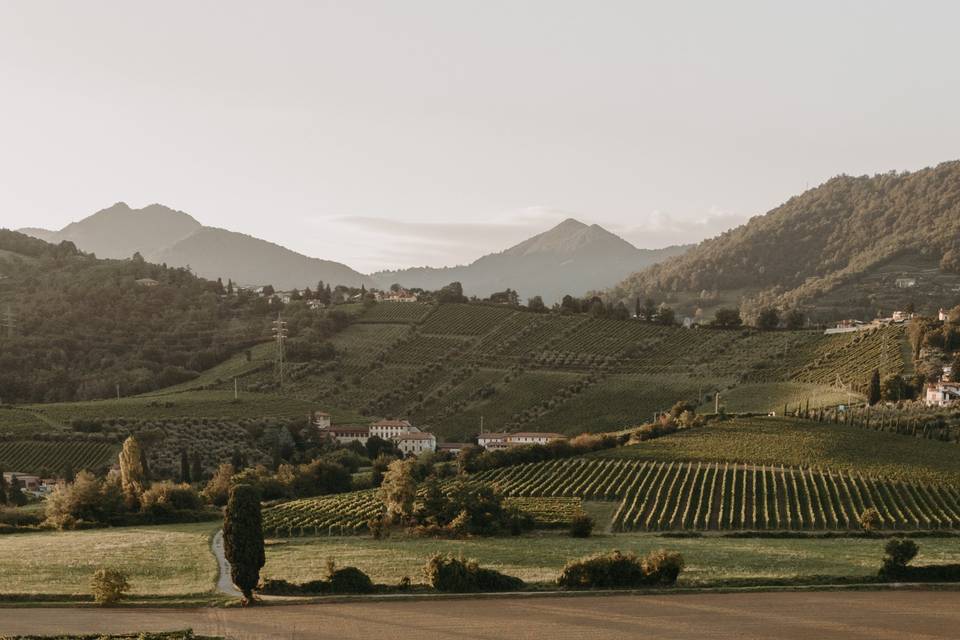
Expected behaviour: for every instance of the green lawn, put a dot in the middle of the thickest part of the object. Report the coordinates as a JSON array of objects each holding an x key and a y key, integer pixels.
[
  {"x": 809, "y": 444},
  {"x": 540, "y": 558},
  {"x": 167, "y": 560}
]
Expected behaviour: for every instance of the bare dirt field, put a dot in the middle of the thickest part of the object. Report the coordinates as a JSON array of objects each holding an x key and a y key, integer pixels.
[{"x": 893, "y": 615}]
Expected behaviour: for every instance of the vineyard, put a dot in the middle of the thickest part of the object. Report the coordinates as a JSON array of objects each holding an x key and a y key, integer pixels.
[
  {"x": 851, "y": 358},
  {"x": 805, "y": 443},
  {"x": 348, "y": 513},
  {"x": 396, "y": 312},
  {"x": 661, "y": 495},
  {"x": 52, "y": 457}
]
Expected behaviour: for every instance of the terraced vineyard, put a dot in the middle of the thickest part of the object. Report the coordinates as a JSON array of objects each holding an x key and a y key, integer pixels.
[
  {"x": 396, "y": 312},
  {"x": 465, "y": 319},
  {"x": 38, "y": 456},
  {"x": 656, "y": 496},
  {"x": 348, "y": 513},
  {"x": 851, "y": 358}
]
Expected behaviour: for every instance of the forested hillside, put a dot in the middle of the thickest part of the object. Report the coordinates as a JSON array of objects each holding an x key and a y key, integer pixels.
[
  {"x": 838, "y": 235},
  {"x": 74, "y": 326}
]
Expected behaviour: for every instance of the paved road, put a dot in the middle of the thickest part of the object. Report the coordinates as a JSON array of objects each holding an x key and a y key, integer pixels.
[
  {"x": 874, "y": 615},
  {"x": 224, "y": 581}
]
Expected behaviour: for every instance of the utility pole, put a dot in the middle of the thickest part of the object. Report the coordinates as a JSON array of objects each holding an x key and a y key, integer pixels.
[
  {"x": 236, "y": 395},
  {"x": 481, "y": 425},
  {"x": 716, "y": 403},
  {"x": 9, "y": 321},
  {"x": 280, "y": 335}
]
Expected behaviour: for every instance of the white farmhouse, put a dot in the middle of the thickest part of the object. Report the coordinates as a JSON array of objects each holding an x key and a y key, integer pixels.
[
  {"x": 321, "y": 420},
  {"x": 493, "y": 440},
  {"x": 942, "y": 394},
  {"x": 416, "y": 443},
  {"x": 532, "y": 437},
  {"x": 392, "y": 429}
]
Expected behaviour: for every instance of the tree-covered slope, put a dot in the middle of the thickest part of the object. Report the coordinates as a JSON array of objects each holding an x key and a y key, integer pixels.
[
  {"x": 826, "y": 238},
  {"x": 75, "y": 326}
]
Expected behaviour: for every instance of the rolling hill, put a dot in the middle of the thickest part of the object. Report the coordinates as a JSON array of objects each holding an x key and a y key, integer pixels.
[
  {"x": 570, "y": 258},
  {"x": 163, "y": 235},
  {"x": 835, "y": 251}
]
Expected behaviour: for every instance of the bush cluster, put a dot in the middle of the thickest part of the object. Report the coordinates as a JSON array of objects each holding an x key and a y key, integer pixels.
[
  {"x": 453, "y": 574},
  {"x": 474, "y": 459},
  {"x": 618, "y": 570}
]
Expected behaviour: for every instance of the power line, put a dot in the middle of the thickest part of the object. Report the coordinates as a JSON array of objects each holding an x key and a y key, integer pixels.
[
  {"x": 10, "y": 321},
  {"x": 280, "y": 335}
]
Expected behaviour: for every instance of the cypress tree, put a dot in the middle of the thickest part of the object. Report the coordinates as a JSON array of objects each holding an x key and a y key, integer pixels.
[
  {"x": 15, "y": 494},
  {"x": 196, "y": 471},
  {"x": 184, "y": 467},
  {"x": 243, "y": 539},
  {"x": 3, "y": 488},
  {"x": 873, "y": 394}
]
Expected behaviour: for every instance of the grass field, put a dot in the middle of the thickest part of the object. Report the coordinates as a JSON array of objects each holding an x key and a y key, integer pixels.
[
  {"x": 776, "y": 441},
  {"x": 210, "y": 404},
  {"x": 539, "y": 558},
  {"x": 17, "y": 420},
  {"x": 167, "y": 560}
]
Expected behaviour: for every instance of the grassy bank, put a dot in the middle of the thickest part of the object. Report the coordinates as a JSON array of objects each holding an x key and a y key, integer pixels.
[
  {"x": 709, "y": 560},
  {"x": 167, "y": 560}
]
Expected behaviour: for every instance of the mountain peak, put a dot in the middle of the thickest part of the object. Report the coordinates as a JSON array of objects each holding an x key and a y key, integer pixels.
[{"x": 569, "y": 237}]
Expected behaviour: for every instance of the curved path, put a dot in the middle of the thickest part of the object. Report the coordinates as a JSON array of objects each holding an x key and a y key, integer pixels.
[
  {"x": 224, "y": 582},
  {"x": 858, "y": 615}
]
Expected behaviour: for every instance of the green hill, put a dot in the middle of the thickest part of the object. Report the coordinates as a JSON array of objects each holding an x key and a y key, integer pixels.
[
  {"x": 446, "y": 367},
  {"x": 80, "y": 326},
  {"x": 834, "y": 251}
]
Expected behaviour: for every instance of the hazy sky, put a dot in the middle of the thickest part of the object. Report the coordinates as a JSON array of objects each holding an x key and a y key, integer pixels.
[{"x": 401, "y": 133}]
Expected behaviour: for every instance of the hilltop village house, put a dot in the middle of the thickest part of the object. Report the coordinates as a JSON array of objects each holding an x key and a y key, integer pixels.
[
  {"x": 942, "y": 394},
  {"x": 400, "y": 295},
  {"x": 493, "y": 441}
]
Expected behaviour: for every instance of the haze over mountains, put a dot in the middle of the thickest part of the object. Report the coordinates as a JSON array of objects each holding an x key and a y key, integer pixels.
[{"x": 570, "y": 258}]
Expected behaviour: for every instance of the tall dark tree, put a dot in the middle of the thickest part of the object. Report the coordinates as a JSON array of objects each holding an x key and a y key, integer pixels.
[
  {"x": 795, "y": 319},
  {"x": 243, "y": 538},
  {"x": 3, "y": 488},
  {"x": 873, "y": 393},
  {"x": 185, "y": 467},
  {"x": 649, "y": 309},
  {"x": 768, "y": 319},
  {"x": 15, "y": 494},
  {"x": 196, "y": 467}
]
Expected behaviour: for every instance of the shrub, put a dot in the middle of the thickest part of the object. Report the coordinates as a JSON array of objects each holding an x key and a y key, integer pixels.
[
  {"x": 662, "y": 567},
  {"x": 581, "y": 526},
  {"x": 453, "y": 574},
  {"x": 615, "y": 569},
  {"x": 897, "y": 553},
  {"x": 164, "y": 497},
  {"x": 869, "y": 519},
  {"x": 350, "y": 580},
  {"x": 108, "y": 586}
]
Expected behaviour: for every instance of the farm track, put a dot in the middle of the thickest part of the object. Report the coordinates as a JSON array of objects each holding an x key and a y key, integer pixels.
[{"x": 884, "y": 615}]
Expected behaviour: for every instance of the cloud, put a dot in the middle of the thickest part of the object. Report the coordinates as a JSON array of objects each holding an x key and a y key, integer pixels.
[
  {"x": 661, "y": 230},
  {"x": 376, "y": 243}
]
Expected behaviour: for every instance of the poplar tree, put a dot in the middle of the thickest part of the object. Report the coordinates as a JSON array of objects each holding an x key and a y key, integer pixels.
[{"x": 131, "y": 473}]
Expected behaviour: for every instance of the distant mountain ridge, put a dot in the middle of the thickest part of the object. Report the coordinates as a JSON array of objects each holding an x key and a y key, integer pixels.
[
  {"x": 848, "y": 248},
  {"x": 163, "y": 235},
  {"x": 572, "y": 257}
]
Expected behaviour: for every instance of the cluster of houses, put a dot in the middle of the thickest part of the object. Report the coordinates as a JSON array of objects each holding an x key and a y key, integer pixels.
[
  {"x": 30, "y": 483},
  {"x": 400, "y": 295},
  {"x": 943, "y": 393},
  {"x": 898, "y": 317},
  {"x": 410, "y": 440}
]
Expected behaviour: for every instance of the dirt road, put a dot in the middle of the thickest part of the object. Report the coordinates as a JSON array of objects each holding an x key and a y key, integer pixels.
[{"x": 875, "y": 615}]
